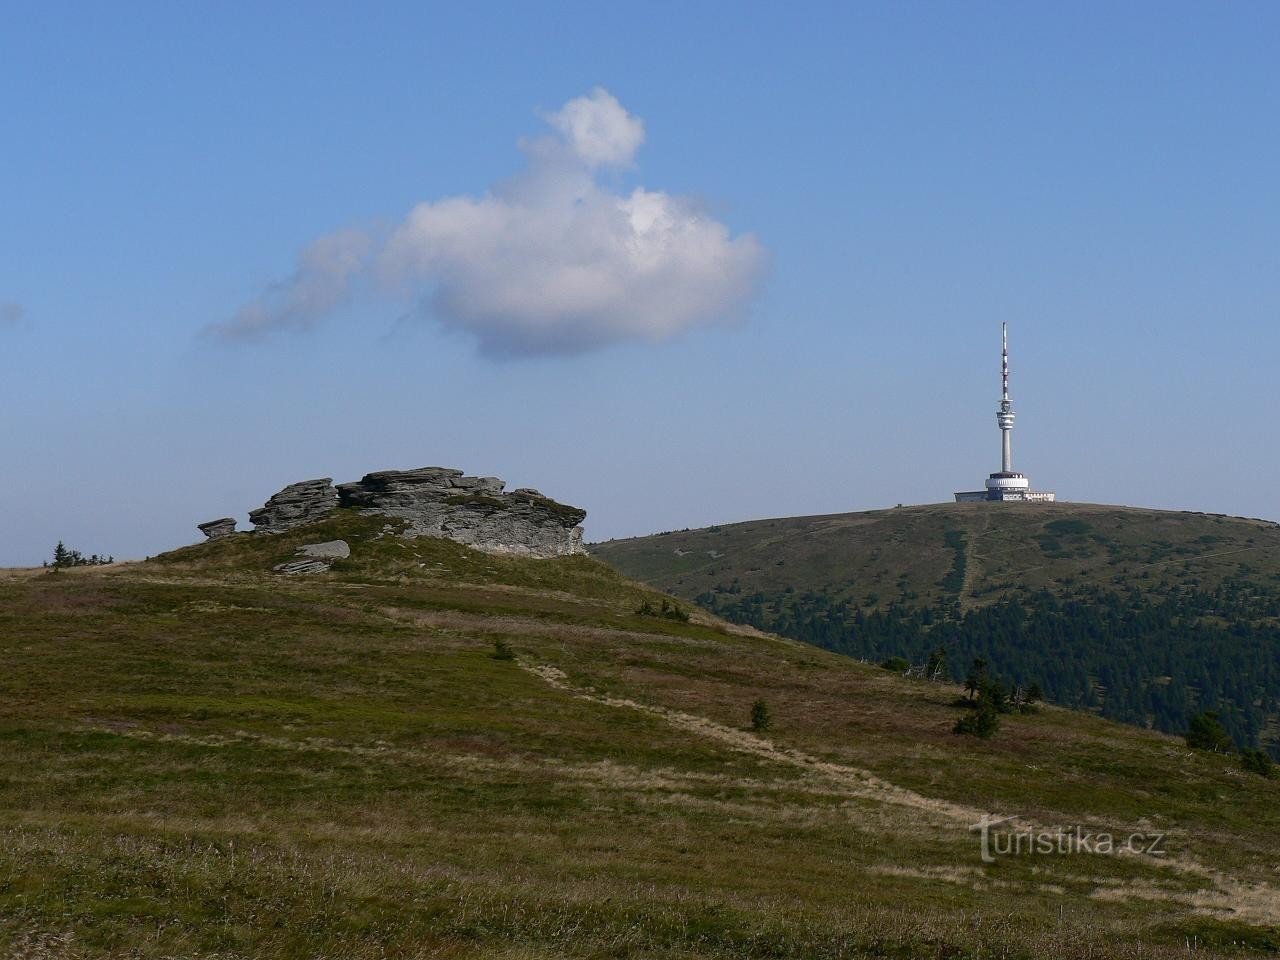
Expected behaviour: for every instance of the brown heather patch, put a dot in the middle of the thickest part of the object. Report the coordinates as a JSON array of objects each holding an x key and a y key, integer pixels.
[
  {"x": 488, "y": 626},
  {"x": 1257, "y": 902}
]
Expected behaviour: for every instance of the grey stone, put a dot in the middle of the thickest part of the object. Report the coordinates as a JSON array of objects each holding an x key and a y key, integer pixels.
[
  {"x": 332, "y": 550},
  {"x": 214, "y": 529},
  {"x": 296, "y": 504},
  {"x": 478, "y": 484},
  {"x": 440, "y": 502},
  {"x": 315, "y": 558},
  {"x": 297, "y": 567}
]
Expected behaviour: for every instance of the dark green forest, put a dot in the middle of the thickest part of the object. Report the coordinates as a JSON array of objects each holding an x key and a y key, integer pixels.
[{"x": 1125, "y": 654}]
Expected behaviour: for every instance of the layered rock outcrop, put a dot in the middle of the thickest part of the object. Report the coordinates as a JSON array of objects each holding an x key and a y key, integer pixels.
[
  {"x": 213, "y": 529},
  {"x": 432, "y": 502},
  {"x": 440, "y": 502},
  {"x": 296, "y": 504}
]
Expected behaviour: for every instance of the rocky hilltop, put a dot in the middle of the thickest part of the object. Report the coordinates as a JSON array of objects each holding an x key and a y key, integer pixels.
[
  {"x": 295, "y": 505},
  {"x": 439, "y": 502},
  {"x": 433, "y": 502}
]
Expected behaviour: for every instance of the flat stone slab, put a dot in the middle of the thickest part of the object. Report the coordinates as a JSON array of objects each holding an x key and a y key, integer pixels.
[
  {"x": 315, "y": 557},
  {"x": 331, "y": 550},
  {"x": 215, "y": 529},
  {"x": 295, "y": 567}
]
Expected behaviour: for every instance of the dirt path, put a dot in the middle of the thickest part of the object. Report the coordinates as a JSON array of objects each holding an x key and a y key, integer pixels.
[
  {"x": 1229, "y": 897},
  {"x": 972, "y": 566},
  {"x": 852, "y": 780}
]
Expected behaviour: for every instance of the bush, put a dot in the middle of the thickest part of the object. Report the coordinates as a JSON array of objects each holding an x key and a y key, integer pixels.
[
  {"x": 992, "y": 699},
  {"x": 668, "y": 611},
  {"x": 995, "y": 693},
  {"x": 983, "y": 721},
  {"x": 1259, "y": 762},
  {"x": 1206, "y": 732},
  {"x": 672, "y": 611},
  {"x": 897, "y": 664},
  {"x": 62, "y": 557},
  {"x": 502, "y": 651},
  {"x": 977, "y": 677},
  {"x": 760, "y": 719}
]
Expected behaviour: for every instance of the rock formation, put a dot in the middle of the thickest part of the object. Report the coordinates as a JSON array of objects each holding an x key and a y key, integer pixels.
[
  {"x": 439, "y": 502},
  {"x": 432, "y": 502},
  {"x": 315, "y": 557},
  {"x": 296, "y": 504},
  {"x": 213, "y": 529}
]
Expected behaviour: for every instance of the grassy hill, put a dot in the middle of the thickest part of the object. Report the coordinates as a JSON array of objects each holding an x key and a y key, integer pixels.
[
  {"x": 199, "y": 757},
  {"x": 1145, "y": 616}
]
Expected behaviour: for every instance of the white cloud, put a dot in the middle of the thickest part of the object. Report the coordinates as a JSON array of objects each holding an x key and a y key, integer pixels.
[
  {"x": 553, "y": 260},
  {"x": 598, "y": 129},
  {"x": 11, "y": 312},
  {"x": 320, "y": 282}
]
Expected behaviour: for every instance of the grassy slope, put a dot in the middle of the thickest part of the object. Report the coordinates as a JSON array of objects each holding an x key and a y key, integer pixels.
[
  {"x": 903, "y": 553},
  {"x": 198, "y": 757},
  {"x": 957, "y": 558}
]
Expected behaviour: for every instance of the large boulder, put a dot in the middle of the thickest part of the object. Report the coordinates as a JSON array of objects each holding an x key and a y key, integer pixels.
[
  {"x": 315, "y": 557},
  {"x": 296, "y": 504},
  {"x": 329, "y": 550},
  {"x": 214, "y": 529},
  {"x": 439, "y": 502}
]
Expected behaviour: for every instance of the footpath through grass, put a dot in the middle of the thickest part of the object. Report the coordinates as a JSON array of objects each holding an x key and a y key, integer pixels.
[{"x": 201, "y": 758}]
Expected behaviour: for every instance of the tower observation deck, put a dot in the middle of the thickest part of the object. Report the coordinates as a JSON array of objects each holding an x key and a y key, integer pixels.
[{"x": 1006, "y": 484}]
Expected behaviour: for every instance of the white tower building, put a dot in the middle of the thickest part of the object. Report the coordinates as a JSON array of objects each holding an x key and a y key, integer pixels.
[{"x": 1006, "y": 484}]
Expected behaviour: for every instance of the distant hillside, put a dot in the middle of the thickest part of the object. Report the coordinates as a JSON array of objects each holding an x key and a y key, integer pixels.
[
  {"x": 430, "y": 752},
  {"x": 1142, "y": 615}
]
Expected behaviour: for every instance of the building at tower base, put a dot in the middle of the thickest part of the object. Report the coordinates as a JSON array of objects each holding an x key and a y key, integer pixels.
[{"x": 1006, "y": 485}]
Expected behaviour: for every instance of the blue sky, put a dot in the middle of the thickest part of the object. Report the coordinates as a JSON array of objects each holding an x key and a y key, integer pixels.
[{"x": 1103, "y": 177}]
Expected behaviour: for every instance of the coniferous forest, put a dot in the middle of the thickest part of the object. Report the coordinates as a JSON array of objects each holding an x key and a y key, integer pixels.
[{"x": 1124, "y": 654}]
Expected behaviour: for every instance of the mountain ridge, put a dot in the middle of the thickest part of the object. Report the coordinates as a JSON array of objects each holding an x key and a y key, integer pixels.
[{"x": 1169, "y": 591}]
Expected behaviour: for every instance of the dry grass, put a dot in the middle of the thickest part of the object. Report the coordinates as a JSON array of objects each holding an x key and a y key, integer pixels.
[{"x": 198, "y": 759}]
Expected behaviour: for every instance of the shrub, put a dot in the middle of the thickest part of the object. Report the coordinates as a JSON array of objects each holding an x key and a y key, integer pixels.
[
  {"x": 760, "y": 719},
  {"x": 502, "y": 650},
  {"x": 672, "y": 611},
  {"x": 982, "y": 721},
  {"x": 1259, "y": 762},
  {"x": 667, "y": 611},
  {"x": 991, "y": 699},
  {"x": 976, "y": 678},
  {"x": 62, "y": 557},
  {"x": 897, "y": 664},
  {"x": 1206, "y": 732},
  {"x": 995, "y": 693}
]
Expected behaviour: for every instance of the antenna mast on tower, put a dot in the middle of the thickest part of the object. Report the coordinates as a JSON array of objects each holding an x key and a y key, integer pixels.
[{"x": 1006, "y": 485}]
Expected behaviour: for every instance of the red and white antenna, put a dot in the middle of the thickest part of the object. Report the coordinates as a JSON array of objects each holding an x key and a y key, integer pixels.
[
  {"x": 1005, "y": 415},
  {"x": 1004, "y": 362}
]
